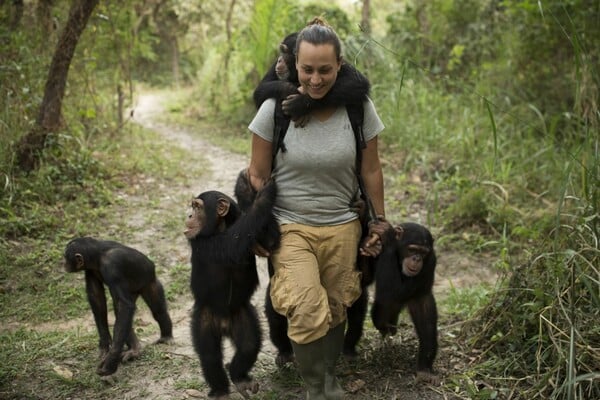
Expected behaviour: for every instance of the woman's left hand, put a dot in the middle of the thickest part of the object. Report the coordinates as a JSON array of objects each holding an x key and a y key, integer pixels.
[{"x": 372, "y": 245}]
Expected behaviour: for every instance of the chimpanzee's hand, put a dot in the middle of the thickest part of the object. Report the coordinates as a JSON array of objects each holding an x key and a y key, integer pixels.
[
  {"x": 372, "y": 245},
  {"x": 359, "y": 206},
  {"x": 260, "y": 251},
  {"x": 287, "y": 89},
  {"x": 297, "y": 106}
]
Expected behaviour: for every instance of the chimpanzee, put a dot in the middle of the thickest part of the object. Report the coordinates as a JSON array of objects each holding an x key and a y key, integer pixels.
[
  {"x": 281, "y": 80},
  {"x": 223, "y": 280},
  {"x": 245, "y": 194},
  {"x": 128, "y": 274},
  {"x": 404, "y": 274}
]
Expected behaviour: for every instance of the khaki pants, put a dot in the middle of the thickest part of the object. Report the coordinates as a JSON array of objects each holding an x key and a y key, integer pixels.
[{"x": 315, "y": 277}]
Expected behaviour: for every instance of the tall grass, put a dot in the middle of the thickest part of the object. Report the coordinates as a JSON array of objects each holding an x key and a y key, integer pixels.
[{"x": 539, "y": 336}]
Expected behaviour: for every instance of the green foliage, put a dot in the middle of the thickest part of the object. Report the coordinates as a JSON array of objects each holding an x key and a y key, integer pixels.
[
  {"x": 179, "y": 282},
  {"x": 270, "y": 22},
  {"x": 335, "y": 16},
  {"x": 545, "y": 316},
  {"x": 471, "y": 208},
  {"x": 21, "y": 88},
  {"x": 555, "y": 30},
  {"x": 465, "y": 302}
]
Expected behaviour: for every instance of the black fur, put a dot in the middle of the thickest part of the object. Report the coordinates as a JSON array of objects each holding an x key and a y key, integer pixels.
[
  {"x": 224, "y": 277},
  {"x": 128, "y": 274},
  {"x": 351, "y": 87}
]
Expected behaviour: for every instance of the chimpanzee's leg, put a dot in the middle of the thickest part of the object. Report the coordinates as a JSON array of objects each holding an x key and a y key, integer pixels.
[
  {"x": 207, "y": 339},
  {"x": 356, "y": 317},
  {"x": 423, "y": 312},
  {"x": 246, "y": 336},
  {"x": 278, "y": 332},
  {"x": 134, "y": 348},
  {"x": 154, "y": 296}
]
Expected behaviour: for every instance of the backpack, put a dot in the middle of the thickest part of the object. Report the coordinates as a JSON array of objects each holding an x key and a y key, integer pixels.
[{"x": 356, "y": 115}]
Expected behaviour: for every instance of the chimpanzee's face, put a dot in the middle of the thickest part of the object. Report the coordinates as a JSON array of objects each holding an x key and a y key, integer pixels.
[
  {"x": 205, "y": 214},
  {"x": 196, "y": 219},
  {"x": 412, "y": 263}
]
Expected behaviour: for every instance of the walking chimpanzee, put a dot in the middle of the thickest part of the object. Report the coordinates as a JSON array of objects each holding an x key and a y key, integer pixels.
[
  {"x": 128, "y": 274},
  {"x": 404, "y": 275},
  {"x": 224, "y": 277}
]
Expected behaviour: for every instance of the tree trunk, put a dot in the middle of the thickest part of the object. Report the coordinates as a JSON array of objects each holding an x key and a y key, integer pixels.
[
  {"x": 50, "y": 116},
  {"x": 365, "y": 17},
  {"x": 175, "y": 60}
]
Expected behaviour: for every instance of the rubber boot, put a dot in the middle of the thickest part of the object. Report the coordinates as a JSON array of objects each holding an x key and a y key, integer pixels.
[
  {"x": 311, "y": 364},
  {"x": 334, "y": 341}
]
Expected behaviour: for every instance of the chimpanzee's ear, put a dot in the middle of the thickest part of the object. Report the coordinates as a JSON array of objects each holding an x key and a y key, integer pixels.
[
  {"x": 222, "y": 206},
  {"x": 79, "y": 263}
]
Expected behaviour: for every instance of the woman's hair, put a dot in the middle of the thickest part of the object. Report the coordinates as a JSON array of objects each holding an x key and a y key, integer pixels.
[{"x": 318, "y": 31}]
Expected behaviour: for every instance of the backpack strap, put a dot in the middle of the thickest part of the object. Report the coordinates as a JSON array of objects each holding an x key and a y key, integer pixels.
[{"x": 282, "y": 122}]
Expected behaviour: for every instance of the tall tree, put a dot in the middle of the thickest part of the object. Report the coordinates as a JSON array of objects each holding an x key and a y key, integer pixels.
[{"x": 50, "y": 113}]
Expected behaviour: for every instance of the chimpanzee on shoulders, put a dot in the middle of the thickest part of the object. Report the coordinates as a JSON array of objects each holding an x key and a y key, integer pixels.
[
  {"x": 404, "y": 275},
  {"x": 281, "y": 80},
  {"x": 128, "y": 274},
  {"x": 224, "y": 277}
]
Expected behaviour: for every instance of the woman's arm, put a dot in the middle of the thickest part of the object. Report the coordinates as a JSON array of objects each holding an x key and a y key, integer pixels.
[
  {"x": 372, "y": 176},
  {"x": 259, "y": 170}
]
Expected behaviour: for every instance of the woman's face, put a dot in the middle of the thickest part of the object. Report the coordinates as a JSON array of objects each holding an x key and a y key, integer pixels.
[{"x": 317, "y": 67}]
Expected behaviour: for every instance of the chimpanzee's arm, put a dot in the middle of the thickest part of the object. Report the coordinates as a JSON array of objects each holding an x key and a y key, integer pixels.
[
  {"x": 124, "y": 313},
  {"x": 388, "y": 277},
  {"x": 235, "y": 243},
  {"x": 271, "y": 87},
  {"x": 97, "y": 300},
  {"x": 351, "y": 87},
  {"x": 423, "y": 312},
  {"x": 124, "y": 305}
]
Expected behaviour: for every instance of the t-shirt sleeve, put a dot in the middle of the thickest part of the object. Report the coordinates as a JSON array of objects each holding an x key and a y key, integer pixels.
[
  {"x": 372, "y": 124},
  {"x": 263, "y": 123}
]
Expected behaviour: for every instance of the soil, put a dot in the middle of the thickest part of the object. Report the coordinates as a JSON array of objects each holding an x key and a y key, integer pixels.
[{"x": 385, "y": 369}]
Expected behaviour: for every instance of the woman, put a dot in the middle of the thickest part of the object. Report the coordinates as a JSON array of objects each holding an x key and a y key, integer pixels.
[{"x": 315, "y": 279}]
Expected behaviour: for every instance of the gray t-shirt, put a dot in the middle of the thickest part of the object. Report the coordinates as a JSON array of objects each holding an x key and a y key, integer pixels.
[{"x": 316, "y": 177}]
